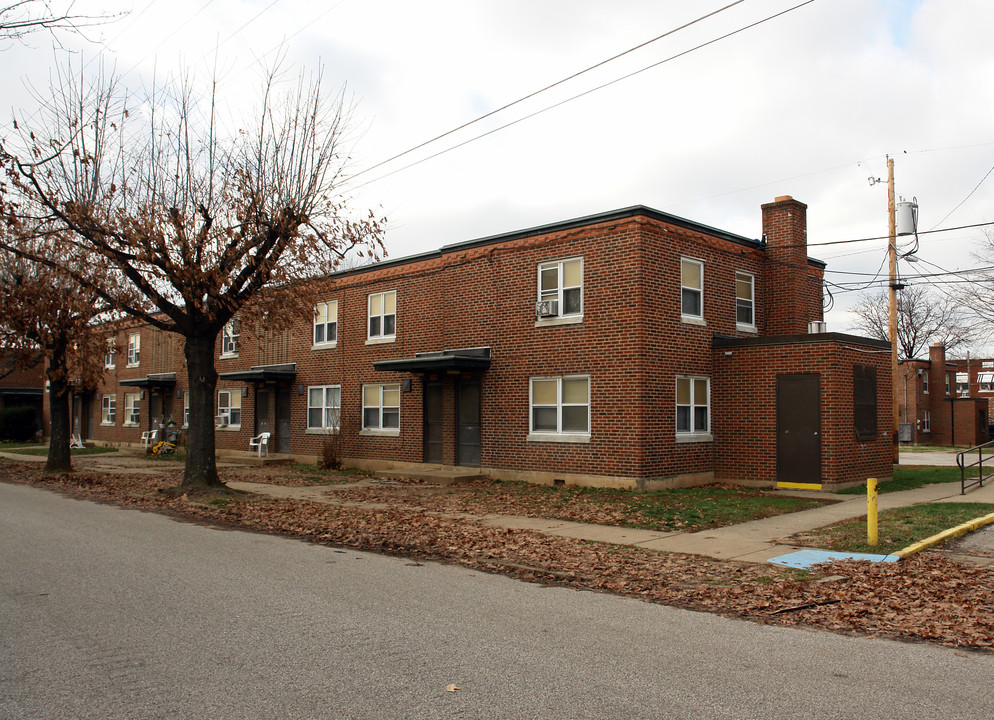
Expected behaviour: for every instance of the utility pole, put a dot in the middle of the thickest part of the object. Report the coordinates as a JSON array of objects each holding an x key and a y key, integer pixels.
[{"x": 892, "y": 297}]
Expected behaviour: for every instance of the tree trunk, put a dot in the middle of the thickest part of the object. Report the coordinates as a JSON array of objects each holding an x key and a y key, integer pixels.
[
  {"x": 200, "y": 473},
  {"x": 59, "y": 457}
]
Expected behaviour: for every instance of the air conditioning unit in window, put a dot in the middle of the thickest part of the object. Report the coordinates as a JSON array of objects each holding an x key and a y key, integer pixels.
[
  {"x": 221, "y": 421},
  {"x": 547, "y": 308}
]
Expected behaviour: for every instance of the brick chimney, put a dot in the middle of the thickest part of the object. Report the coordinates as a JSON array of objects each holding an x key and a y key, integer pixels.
[
  {"x": 937, "y": 368},
  {"x": 793, "y": 297}
]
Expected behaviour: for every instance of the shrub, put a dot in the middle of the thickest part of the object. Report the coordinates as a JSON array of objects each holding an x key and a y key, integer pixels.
[
  {"x": 17, "y": 424},
  {"x": 333, "y": 448}
]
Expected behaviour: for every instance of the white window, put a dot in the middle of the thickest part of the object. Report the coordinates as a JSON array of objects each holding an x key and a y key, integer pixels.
[
  {"x": 381, "y": 407},
  {"x": 230, "y": 336},
  {"x": 108, "y": 407},
  {"x": 111, "y": 352},
  {"x": 229, "y": 408},
  {"x": 326, "y": 323},
  {"x": 560, "y": 405},
  {"x": 745, "y": 313},
  {"x": 927, "y": 422},
  {"x": 186, "y": 408},
  {"x": 132, "y": 410},
  {"x": 948, "y": 382},
  {"x": 560, "y": 288},
  {"x": 925, "y": 382},
  {"x": 324, "y": 406},
  {"x": 383, "y": 315},
  {"x": 693, "y": 405},
  {"x": 962, "y": 384},
  {"x": 986, "y": 381},
  {"x": 691, "y": 289},
  {"x": 134, "y": 349}
]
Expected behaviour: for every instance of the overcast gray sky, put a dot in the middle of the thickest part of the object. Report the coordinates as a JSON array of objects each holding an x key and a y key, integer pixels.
[{"x": 807, "y": 104}]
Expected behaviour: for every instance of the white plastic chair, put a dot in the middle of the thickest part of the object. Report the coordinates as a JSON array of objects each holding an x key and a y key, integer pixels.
[
  {"x": 148, "y": 438},
  {"x": 259, "y": 442},
  {"x": 76, "y": 442}
]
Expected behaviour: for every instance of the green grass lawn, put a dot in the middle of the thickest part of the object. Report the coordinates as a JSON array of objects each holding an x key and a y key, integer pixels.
[
  {"x": 896, "y": 529},
  {"x": 909, "y": 477}
]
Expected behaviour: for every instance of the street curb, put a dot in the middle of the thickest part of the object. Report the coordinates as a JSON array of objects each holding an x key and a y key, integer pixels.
[{"x": 945, "y": 535}]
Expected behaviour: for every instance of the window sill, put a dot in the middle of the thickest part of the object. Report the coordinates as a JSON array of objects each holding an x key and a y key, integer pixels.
[
  {"x": 381, "y": 340},
  {"x": 693, "y": 320},
  {"x": 577, "y": 438},
  {"x": 565, "y": 320},
  {"x": 132, "y": 365},
  {"x": 129, "y": 425},
  {"x": 104, "y": 423},
  {"x": 321, "y": 431},
  {"x": 110, "y": 367},
  {"x": 378, "y": 432},
  {"x": 228, "y": 428},
  {"x": 682, "y": 438},
  {"x": 227, "y": 356},
  {"x": 746, "y": 328},
  {"x": 325, "y": 345}
]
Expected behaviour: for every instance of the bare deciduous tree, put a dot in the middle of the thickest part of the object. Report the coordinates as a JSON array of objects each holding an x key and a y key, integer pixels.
[
  {"x": 923, "y": 317},
  {"x": 24, "y": 17},
  {"x": 44, "y": 314},
  {"x": 196, "y": 221}
]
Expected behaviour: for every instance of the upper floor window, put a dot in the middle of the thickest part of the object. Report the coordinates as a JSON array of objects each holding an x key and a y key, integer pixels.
[
  {"x": 324, "y": 407},
  {"x": 948, "y": 382},
  {"x": 134, "y": 349},
  {"x": 383, "y": 315},
  {"x": 561, "y": 405},
  {"x": 381, "y": 407},
  {"x": 925, "y": 382},
  {"x": 693, "y": 406},
  {"x": 230, "y": 336},
  {"x": 229, "y": 408},
  {"x": 326, "y": 322},
  {"x": 110, "y": 354},
  {"x": 132, "y": 411},
  {"x": 108, "y": 406},
  {"x": 560, "y": 288},
  {"x": 962, "y": 384},
  {"x": 986, "y": 382},
  {"x": 691, "y": 289},
  {"x": 745, "y": 314}
]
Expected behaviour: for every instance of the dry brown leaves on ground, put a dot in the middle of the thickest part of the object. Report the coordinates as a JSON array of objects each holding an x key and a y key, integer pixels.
[{"x": 926, "y": 597}]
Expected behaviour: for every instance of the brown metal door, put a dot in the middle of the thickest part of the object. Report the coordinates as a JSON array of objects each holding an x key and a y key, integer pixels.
[
  {"x": 468, "y": 423},
  {"x": 261, "y": 410},
  {"x": 433, "y": 423},
  {"x": 799, "y": 428},
  {"x": 283, "y": 419}
]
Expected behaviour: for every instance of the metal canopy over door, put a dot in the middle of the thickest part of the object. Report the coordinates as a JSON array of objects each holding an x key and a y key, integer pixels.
[
  {"x": 799, "y": 430},
  {"x": 433, "y": 422},
  {"x": 468, "y": 423},
  {"x": 283, "y": 419}
]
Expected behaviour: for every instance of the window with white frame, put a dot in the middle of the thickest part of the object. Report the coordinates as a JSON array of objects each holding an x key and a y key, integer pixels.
[
  {"x": 986, "y": 382},
  {"x": 109, "y": 356},
  {"x": 381, "y": 407},
  {"x": 229, "y": 408},
  {"x": 693, "y": 414},
  {"x": 230, "y": 337},
  {"x": 186, "y": 408},
  {"x": 134, "y": 349},
  {"x": 691, "y": 289},
  {"x": 108, "y": 407},
  {"x": 927, "y": 421},
  {"x": 925, "y": 382},
  {"x": 383, "y": 315},
  {"x": 560, "y": 405},
  {"x": 962, "y": 384},
  {"x": 132, "y": 410},
  {"x": 745, "y": 310},
  {"x": 949, "y": 382},
  {"x": 324, "y": 405},
  {"x": 326, "y": 323},
  {"x": 560, "y": 288}
]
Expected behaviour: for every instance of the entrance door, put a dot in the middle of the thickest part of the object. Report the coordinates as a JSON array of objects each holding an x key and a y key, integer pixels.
[
  {"x": 799, "y": 428},
  {"x": 433, "y": 423},
  {"x": 261, "y": 410},
  {"x": 468, "y": 423},
  {"x": 283, "y": 419},
  {"x": 154, "y": 408},
  {"x": 79, "y": 424}
]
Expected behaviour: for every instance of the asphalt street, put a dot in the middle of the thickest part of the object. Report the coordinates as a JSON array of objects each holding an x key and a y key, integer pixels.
[{"x": 112, "y": 613}]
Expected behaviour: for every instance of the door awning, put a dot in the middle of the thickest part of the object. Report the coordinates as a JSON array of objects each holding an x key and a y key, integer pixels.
[
  {"x": 151, "y": 380},
  {"x": 263, "y": 373},
  {"x": 458, "y": 360}
]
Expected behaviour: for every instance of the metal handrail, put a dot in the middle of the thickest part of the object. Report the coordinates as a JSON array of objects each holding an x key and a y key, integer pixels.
[{"x": 978, "y": 463}]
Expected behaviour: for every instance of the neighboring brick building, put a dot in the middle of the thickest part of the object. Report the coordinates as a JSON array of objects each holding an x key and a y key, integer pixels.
[
  {"x": 23, "y": 387},
  {"x": 631, "y": 348},
  {"x": 944, "y": 402}
]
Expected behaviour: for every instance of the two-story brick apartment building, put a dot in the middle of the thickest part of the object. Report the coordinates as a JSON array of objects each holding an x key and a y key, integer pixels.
[{"x": 631, "y": 348}]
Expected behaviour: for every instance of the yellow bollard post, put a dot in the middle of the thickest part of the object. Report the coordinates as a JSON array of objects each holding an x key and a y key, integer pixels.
[{"x": 871, "y": 511}]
